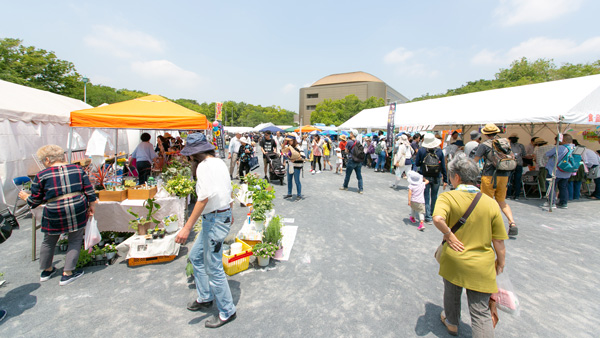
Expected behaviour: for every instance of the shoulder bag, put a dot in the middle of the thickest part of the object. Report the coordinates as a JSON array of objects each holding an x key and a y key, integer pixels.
[{"x": 459, "y": 223}]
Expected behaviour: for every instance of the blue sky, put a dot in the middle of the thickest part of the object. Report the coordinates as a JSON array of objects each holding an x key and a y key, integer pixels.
[{"x": 263, "y": 52}]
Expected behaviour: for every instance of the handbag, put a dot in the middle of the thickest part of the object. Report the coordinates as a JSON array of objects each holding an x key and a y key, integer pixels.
[
  {"x": 459, "y": 223},
  {"x": 593, "y": 173},
  {"x": 253, "y": 162}
]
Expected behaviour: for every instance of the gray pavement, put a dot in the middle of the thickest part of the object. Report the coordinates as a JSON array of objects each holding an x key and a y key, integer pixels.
[{"x": 358, "y": 268}]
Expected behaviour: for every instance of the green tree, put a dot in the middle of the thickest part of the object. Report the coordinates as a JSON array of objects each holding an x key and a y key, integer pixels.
[
  {"x": 339, "y": 111},
  {"x": 36, "y": 68}
]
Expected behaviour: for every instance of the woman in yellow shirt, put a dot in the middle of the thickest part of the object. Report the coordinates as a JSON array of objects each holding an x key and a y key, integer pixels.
[{"x": 468, "y": 259}]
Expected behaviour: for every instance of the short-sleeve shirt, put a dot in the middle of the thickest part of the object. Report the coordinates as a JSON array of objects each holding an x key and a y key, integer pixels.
[
  {"x": 417, "y": 192},
  {"x": 268, "y": 145},
  {"x": 474, "y": 267},
  {"x": 213, "y": 183},
  {"x": 144, "y": 152},
  {"x": 488, "y": 168}
]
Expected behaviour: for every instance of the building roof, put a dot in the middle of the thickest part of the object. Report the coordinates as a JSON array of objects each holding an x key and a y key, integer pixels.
[{"x": 346, "y": 78}]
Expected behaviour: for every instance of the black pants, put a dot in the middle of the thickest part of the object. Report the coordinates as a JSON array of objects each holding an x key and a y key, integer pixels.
[
  {"x": 244, "y": 166},
  {"x": 316, "y": 159},
  {"x": 144, "y": 169}
]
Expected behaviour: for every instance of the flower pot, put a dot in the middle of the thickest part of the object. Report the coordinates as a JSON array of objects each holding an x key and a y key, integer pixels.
[
  {"x": 259, "y": 225},
  {"x": 263, "y": 261},
  {"x": 143, "y": 228},
  {"x": 279, "y": 253},
  {"x": 161, "y": 234},
  {"x": 119, "y": 240},
  {"x": 171, "y": 227},
  {"x": 110, "y": 255},
  {"x": 63, "y": 247}
]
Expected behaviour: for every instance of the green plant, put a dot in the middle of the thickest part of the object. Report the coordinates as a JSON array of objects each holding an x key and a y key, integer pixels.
[
  {"x": 180, "y": 186},
  {"x": 273, "y": 233},
  {"x": 177, "y": 166},
  {"x": 63, "y": 241},
  {"x": 110, "y": 248},
  {"x": 97, "y": 251},
  {"x": 152, "y": 208},
  {"x": 264, "y": 250},
  {"x": 170, "y": 219},
  {"x": 262, "y": 194},
  {"x": 84, "y": 258}
]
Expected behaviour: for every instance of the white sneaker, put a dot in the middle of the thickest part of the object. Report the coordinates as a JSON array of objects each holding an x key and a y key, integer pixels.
[{"x": 318, "y": 172}]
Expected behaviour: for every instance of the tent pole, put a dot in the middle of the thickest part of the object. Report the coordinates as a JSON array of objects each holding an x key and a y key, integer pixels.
[{"x": 70, "y": 151}]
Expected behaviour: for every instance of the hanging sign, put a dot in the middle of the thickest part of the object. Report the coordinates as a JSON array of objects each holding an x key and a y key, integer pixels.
[
  {"x": 390, "y": 125},
  {"x": 219, "y": 111}
]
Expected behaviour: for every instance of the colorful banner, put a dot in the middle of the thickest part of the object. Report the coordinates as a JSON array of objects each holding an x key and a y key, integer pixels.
[
  {"x": 390, "y": 125},
  {"x": 219, "y": 136},
  {"x": 219, "y": 111}
]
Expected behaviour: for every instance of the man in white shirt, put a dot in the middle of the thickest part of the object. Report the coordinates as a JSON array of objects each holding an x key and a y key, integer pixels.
[{"x": 234, "y": 147}]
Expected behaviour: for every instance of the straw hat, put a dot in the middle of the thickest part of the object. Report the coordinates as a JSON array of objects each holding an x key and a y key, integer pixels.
[
  {"x": 513, "y": 135},
  {"x": 490, "y": 128},
  {"x": 343, "y": 137},
  {"x": 539, "y": 142},
  {"x": 430, "y": 141},
  {"x": 414, "y": 177}
]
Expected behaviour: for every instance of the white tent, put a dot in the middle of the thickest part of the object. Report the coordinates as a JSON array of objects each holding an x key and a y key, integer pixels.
[
  {"x": 262, "y": 126},
  {"x": 29, "y": 119},
  {"x": 238, "y": 129},
  {"x": 575, "y": 101}
]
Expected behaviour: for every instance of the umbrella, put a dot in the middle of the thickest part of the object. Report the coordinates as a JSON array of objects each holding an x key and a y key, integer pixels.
[
  {"x": 328, "y": 132},
  {"x": 272, "y": 129},
  {"x": 306, "y": 129},
  {"x": 290, "y": 129}
]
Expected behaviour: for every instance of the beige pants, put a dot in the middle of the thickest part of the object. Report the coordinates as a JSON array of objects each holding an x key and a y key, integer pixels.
[{"x": 234, "y": 158}]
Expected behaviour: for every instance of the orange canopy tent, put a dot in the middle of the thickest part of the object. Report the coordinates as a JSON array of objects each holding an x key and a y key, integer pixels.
[
  {"x": 148, "y": 112},
  {"x": 306, "y": 129}
]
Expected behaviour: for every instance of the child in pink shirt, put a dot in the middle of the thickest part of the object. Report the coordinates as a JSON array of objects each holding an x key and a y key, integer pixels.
[{"x": 416, "y": 197}]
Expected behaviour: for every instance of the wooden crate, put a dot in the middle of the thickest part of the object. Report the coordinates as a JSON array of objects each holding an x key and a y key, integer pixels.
[
  {"x": 141, "y": 194},
  {"x": 150, "y": 260},
  {"x": 117, "y": 196}
]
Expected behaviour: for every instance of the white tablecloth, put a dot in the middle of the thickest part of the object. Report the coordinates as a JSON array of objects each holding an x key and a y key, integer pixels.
[
  {"x": 140, "y": 247},
  {"x": 113, "y": 216}
]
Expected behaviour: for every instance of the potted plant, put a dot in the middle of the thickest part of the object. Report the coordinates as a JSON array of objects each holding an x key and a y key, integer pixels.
[
  {"x": 171, "y": 224},
  {"x": 264, "y": 252},
  {"x": 141, "y": 224},
  {"x": 262, "y": 199},
  {"x": 110, "y": 250},
  {"x": 272, "y": 234},
  {"x": 97, "y": 253},
  {"x": 63, "y": 244},
  {"x": 84, "y": 258},
  {"x": 180, "y": 186}
]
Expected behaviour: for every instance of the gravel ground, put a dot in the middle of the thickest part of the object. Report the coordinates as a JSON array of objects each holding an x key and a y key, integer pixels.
[{"x": 358, "y": 268}]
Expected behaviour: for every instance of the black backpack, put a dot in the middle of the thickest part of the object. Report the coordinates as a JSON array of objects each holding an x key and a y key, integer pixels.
[
  {"x": 358, "y": 152},
  {"x": 431, "y": 166}
]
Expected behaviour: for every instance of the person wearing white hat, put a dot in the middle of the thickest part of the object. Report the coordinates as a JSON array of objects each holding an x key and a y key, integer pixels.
[
  {"x": 430, "y": 163},
  {"x": 245, "y": 153},
  {"x": 416, "y": 197},
  {"x": 403, "y": 154}
]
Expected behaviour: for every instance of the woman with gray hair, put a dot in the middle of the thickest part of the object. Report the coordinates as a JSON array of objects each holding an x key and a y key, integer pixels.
[
  {"x": 472, "y": 254},
  {"x": 70, "y": 199}
]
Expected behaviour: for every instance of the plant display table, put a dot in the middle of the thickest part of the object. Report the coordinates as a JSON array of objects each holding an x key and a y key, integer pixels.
[
  {"x": 136, "y": 247},
  {"x": 113, "y": 216}
]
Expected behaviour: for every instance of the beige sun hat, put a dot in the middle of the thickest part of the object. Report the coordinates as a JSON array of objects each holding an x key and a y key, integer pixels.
[
  {"x": 490, "y": 128},
  {"x": 430, "y": 141}
]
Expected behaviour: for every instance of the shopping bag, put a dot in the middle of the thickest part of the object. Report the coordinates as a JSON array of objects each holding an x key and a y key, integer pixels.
[
  {"x": 253, "y": 163},
  {"x": 92, "y": 235},
  {"x": 506, "y": 297}
]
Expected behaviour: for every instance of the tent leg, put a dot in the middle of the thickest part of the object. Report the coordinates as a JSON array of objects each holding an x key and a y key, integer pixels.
[{"x": 69, "y": 151}]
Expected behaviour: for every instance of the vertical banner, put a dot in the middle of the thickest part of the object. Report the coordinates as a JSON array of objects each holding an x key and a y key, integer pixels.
[
  {"x": 219, "y": 111},
  {"x": 390, "y": 125}
]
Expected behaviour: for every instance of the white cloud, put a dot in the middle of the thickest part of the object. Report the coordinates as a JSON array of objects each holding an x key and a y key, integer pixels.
[
  {"x": 166, "y": 72},
  {"x": 410, "y": 63},
  {"x": 398, "y": 55},
  {"x": 542, "y": 47},
  {"x": 514, "y": 12},
  {"x": 288, "y": 88},
  {"x": 122, "y": 43}
]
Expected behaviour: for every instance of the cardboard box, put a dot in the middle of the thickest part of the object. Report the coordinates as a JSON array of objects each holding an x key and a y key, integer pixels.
[
  {"x": 141, "y": 194},
  {"x": 117, "y": 196}
]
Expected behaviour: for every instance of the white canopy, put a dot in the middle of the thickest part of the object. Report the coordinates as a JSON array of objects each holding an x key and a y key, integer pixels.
[
  {"x": 262, "y": 126},
  {"x": 576, "y": 100},
  {"x": 237, "y": 129}
]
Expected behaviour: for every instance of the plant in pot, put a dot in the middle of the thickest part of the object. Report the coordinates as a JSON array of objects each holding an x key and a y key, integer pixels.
[
  {"x": 171, "y": 224},
  {"x": 273, "y": 234},
  {"x": 63, "y": 244},
  {"x": 110, "y": 250},
  {"x": 262, "y": 203},
  {"x": 264, "y": 252},
  {"x": 84, "y": 258},
  {"x": 181, "y": 186},
  {"x": 141, "y": 224},
  {"x": 97, "y": 253}
]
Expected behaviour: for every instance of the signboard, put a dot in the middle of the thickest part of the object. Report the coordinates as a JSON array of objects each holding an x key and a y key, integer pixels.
[
  {"x": 390, "y": 125},
  {"x": 220, "y": 140},
  {"x": 219, "y": 111}
]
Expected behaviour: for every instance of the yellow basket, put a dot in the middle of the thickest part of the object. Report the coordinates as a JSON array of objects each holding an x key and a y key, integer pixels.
[{"x": 233, "y": 264}]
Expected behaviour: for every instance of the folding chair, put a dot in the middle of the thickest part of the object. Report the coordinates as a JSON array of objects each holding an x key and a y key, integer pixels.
[
  {"x": 22, "y": 210},
  {"x": 530, "y": 182}
]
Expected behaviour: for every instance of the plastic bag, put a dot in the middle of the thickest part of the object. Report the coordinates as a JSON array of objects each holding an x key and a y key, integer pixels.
[
  {"x": 92, "y": 235},
  {"x": 506, "y": 297}
]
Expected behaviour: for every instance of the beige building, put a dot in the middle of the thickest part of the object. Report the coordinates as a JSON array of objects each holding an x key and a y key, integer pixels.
[{"x": 338, "y": 86}]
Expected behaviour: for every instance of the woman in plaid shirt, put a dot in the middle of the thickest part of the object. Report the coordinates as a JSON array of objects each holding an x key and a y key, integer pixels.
[{"x": 70, "y": 199}]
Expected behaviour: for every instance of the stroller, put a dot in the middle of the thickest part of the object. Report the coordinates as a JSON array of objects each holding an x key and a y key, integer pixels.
[{"x": 276, "y": 167}]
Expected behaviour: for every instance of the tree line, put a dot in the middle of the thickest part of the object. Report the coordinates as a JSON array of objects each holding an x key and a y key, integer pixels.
[{"x": 42, "y": 69}]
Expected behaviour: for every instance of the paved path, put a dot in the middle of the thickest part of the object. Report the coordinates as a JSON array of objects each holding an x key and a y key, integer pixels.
[{"x": 358, "y": 268}]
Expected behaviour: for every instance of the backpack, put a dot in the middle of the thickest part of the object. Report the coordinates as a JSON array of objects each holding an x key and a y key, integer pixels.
[
  {"x": 431, "y": 166},
  {"x": 570, "y": 162},
  {"x": 379, "y": 148},
  {"x": 358, "y": 152},
  {"x": 501, "y": 156}
]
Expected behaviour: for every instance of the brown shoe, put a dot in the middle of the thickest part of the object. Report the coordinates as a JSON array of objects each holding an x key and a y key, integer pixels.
[{"x": 452, "y": 329}]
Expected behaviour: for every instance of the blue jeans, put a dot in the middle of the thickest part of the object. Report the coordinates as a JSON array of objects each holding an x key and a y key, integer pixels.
[
  {"x": 431, "y": 192},
  {"x": 563, "y": 190},
  {"x": 206, "y": 257},
  {"x": 380, "y": 162},
  {"x": 574, "y": 190},
  {"x": 356, "y": 167},
  {"x": 514, "y": 182},
  {"x": 296, "y": 176}
]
